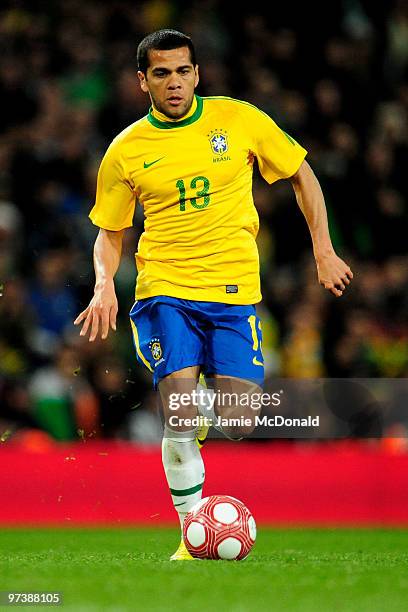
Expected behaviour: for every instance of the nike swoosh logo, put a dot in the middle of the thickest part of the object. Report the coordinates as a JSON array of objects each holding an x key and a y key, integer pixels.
[{"x": 147, "y": 165}]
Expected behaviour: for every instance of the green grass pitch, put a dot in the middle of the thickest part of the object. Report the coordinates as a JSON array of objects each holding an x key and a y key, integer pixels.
[{"x": 317, "y": 570}]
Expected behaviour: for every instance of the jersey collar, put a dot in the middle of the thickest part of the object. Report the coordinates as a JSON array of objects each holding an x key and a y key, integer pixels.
[{"x": 161, "y": 121}]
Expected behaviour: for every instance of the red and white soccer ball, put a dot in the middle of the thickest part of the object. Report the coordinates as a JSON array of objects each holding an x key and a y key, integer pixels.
[{"x": 219, "y": 527}]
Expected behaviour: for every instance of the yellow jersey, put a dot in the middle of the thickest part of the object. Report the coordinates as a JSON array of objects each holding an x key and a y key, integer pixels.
[{"x": 193, "y": 177}]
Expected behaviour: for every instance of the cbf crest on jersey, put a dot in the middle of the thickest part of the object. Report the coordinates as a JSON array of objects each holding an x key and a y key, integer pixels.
[
  {"x": 156, "y": 349},
  {"x": 218, "y": 141}
]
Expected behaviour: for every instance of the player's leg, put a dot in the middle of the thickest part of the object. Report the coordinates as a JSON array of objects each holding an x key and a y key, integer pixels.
[
  {"x": 236, "y": 405},
  {"x": 169, "y": 342},
  {"x": 234, "y": 368},
  {"x": 182, "y": 461}
]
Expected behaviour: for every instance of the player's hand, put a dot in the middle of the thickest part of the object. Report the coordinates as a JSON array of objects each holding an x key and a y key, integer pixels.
[
  {"x": 101, "y": 313},
  {"x": 333, "y": 273}
]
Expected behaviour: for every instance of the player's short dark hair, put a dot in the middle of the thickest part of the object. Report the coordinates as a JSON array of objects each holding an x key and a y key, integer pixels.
[{"x": 163, "y": 40}]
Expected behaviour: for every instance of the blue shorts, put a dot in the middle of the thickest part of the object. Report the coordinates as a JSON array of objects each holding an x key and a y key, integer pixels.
[{"x": 171, "y": 334}]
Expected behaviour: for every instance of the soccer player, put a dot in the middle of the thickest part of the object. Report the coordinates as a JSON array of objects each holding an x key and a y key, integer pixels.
[{"x": 189, "y": 163}]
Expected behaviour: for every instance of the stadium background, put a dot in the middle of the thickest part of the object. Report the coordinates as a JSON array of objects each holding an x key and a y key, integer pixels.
[{"x": 67, "y": 87}]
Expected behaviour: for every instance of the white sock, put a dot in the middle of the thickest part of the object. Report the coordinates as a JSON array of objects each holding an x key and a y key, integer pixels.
[{"x": 184, "y": 470}]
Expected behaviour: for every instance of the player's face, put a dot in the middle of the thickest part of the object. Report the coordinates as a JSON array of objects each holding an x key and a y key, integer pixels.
[{"x": 170, "y": 81}]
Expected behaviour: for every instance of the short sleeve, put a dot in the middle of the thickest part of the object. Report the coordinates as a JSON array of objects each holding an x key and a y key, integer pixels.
[
  {"x": 115, "y": 200},
  {"x": 279, "y": 155}
]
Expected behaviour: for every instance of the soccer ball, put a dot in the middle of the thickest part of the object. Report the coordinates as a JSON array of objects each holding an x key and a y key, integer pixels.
[{"x": 219, "y": 527}]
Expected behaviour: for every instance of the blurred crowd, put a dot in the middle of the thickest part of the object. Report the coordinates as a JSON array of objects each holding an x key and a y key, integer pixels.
[{"x": 335, "y": 80}]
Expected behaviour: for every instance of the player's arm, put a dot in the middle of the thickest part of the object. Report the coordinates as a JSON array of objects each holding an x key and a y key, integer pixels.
[
  {"x": 112, "y": 213},
  {"x": 101, "y": 313},
  {"x": 333, "y": 273}
]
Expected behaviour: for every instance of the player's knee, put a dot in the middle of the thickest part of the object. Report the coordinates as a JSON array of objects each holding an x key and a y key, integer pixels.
[
  {"x": 181, "y": 420},
  {"x": 237, "y": 427},
  {"x": 237, "y": 422}
]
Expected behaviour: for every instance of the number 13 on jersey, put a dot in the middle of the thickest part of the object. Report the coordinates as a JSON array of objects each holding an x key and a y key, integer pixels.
[{"x": 201, "y": 194}]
